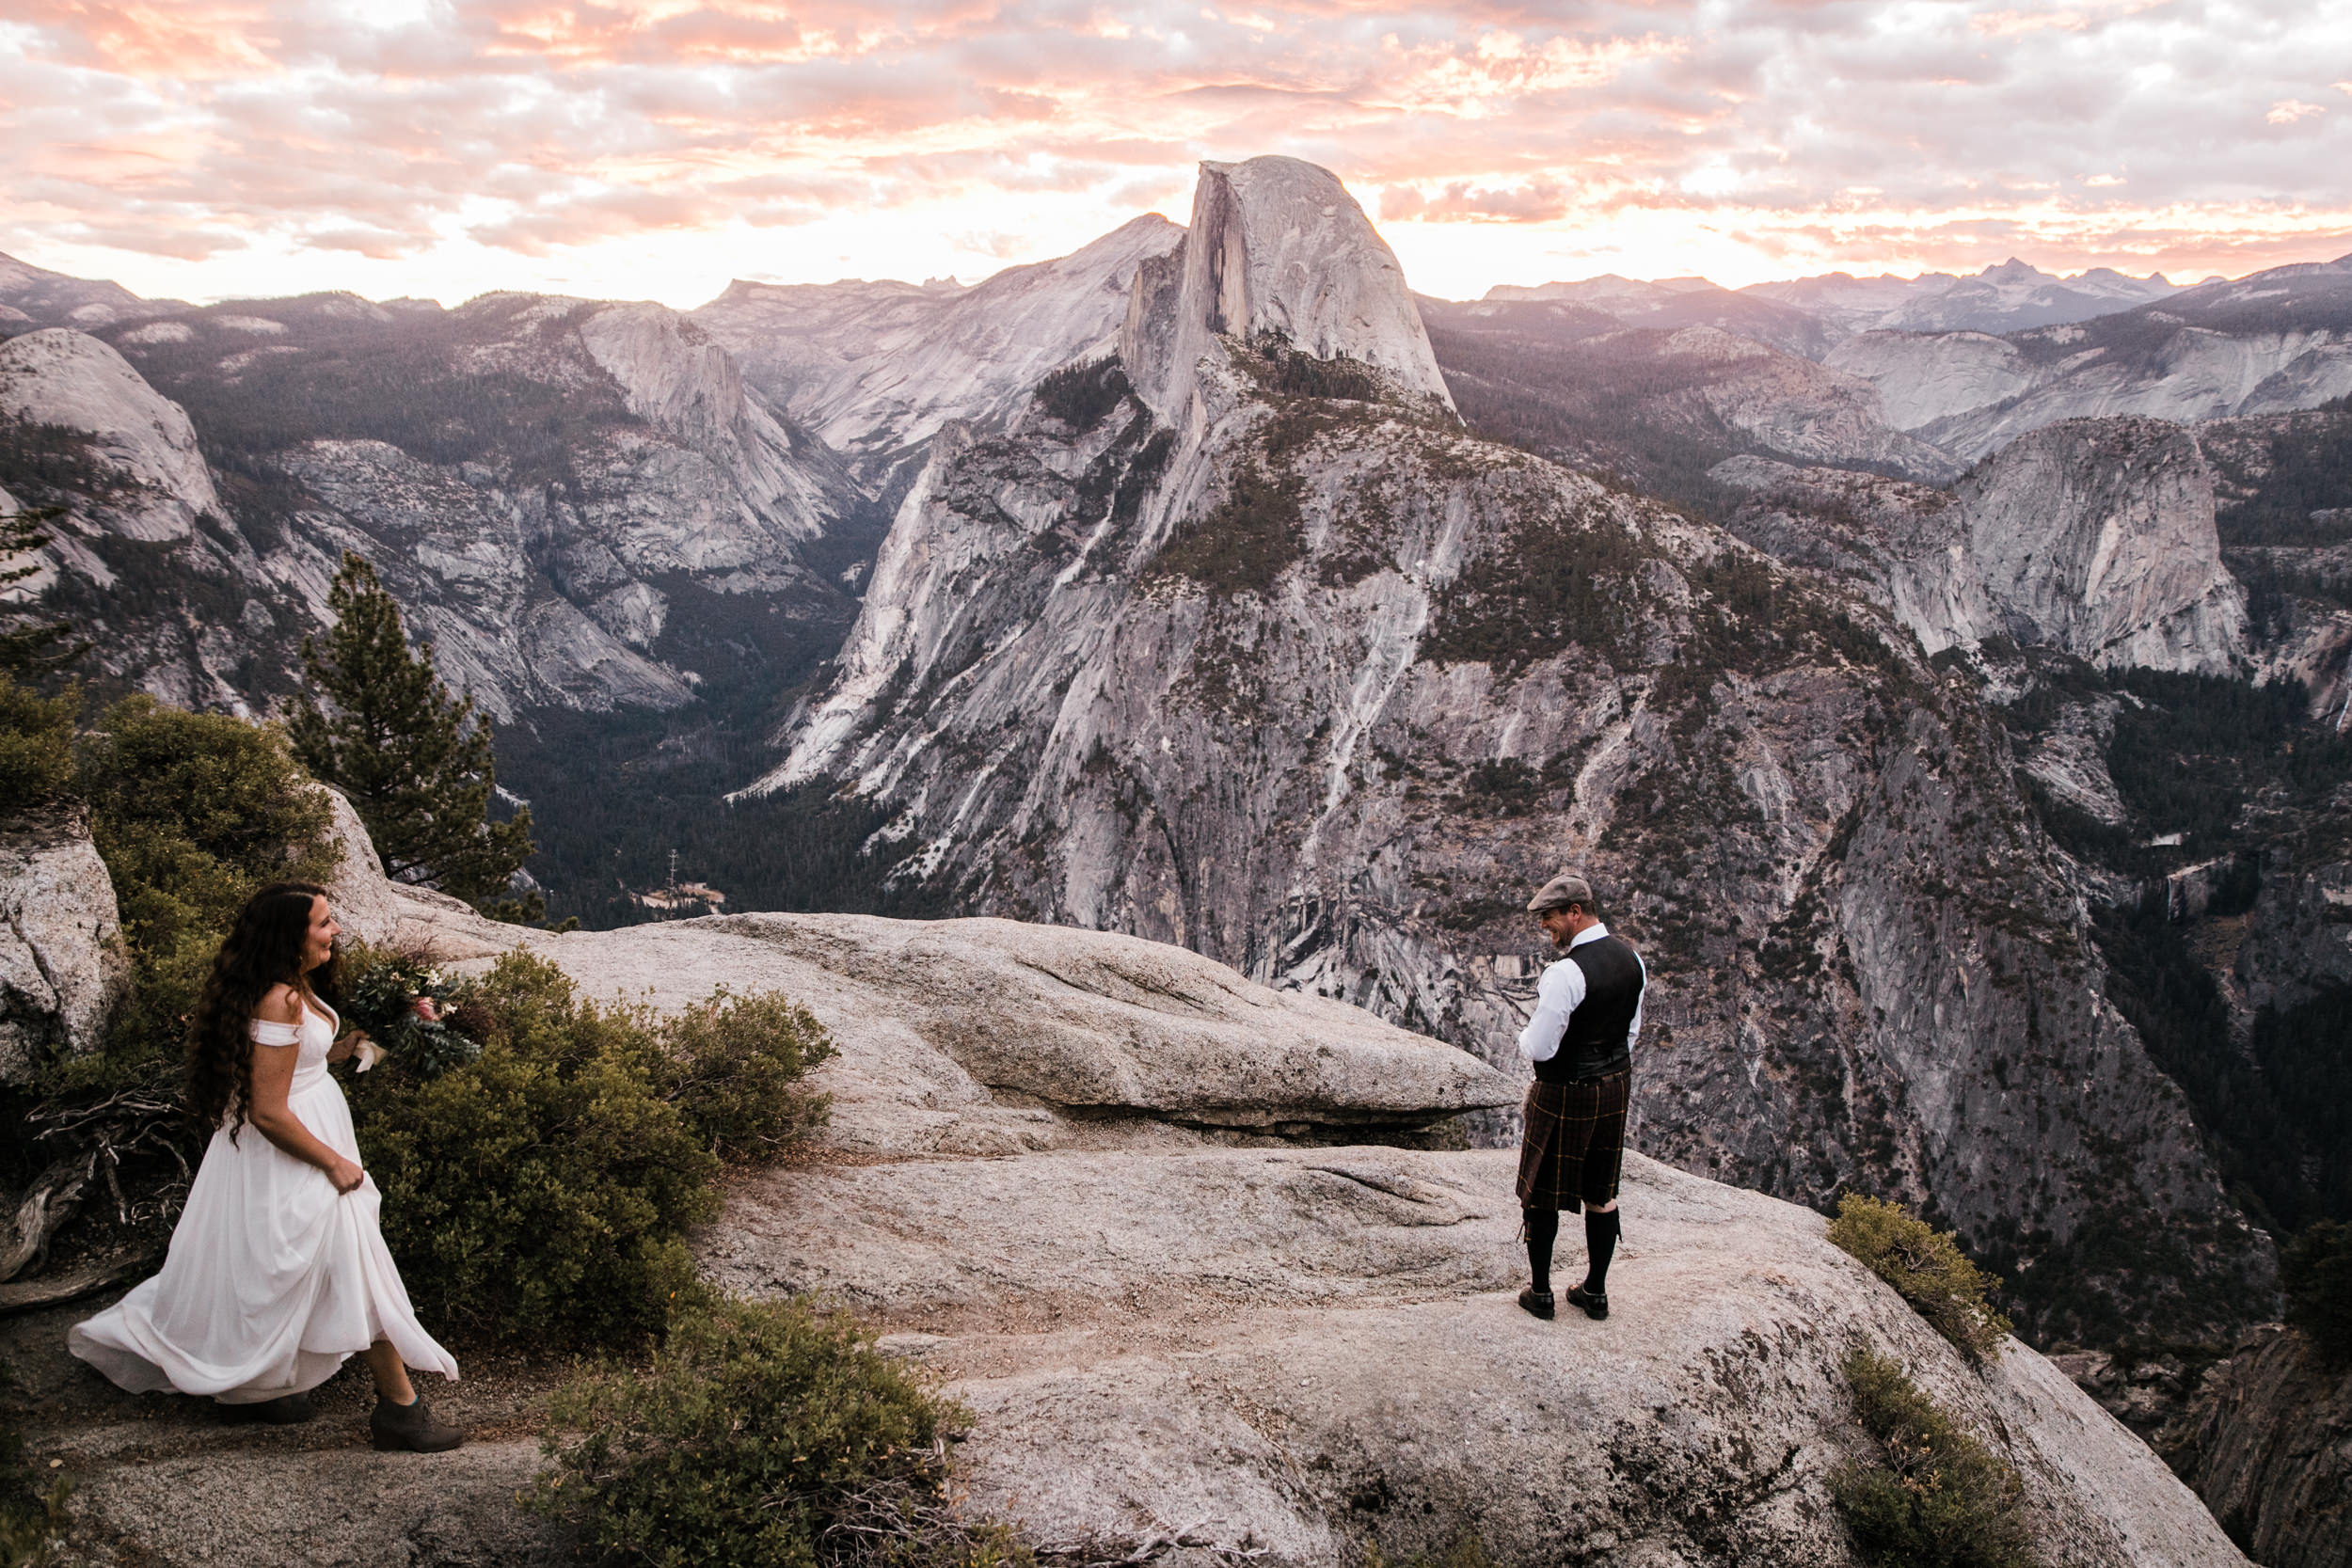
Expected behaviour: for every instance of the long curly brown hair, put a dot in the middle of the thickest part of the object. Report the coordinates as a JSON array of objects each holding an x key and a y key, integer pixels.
[{"x": 263, "y": 949}]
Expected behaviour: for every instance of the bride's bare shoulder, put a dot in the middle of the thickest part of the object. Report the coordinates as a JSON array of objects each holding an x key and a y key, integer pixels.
[{"x": 279, "y": 1004}]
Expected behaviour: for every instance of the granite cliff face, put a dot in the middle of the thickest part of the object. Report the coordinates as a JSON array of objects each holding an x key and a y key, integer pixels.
[
  {"x": 2092, "y": 537},
  {"x": 1317, "y": 686},
  {"x": 2266, "y": 1440},
  {"x": 154, "y": 484},
  {"x": 875, "y": 368},
  {"x": 541, "y": 485},
  {"x": 1276, "y": 247},
  {"x": 2279, "y": 340}
]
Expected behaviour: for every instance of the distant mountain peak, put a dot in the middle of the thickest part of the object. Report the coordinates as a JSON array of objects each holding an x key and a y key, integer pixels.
[{"x": 1276, "y": 244}]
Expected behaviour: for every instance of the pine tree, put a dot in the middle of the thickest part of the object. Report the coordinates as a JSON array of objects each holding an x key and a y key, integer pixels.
[
  {"x": 29, "y": 650},
  {"x": 415, "y": 760}
]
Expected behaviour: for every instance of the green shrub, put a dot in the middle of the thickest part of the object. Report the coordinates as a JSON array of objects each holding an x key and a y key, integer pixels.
[
  {"x": 1927, "y": 1266},
  {"x": 734, "y": 1068},
  {"x": 763, "y": 1435},
  {"x": 1938, "y": 1498},
  {"x": 541, "y": 1190},
  {"x": 191, "y": 812},
  {"x": 2315, "y": 1270},
  {"x": 36, "y": 745}
]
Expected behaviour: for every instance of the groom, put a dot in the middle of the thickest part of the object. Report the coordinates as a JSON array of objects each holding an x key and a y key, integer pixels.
[{"x": 1588, "y": 1012}]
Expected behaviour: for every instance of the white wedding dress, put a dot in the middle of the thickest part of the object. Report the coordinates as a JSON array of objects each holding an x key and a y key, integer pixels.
[{"x": 273, "y": 1277}]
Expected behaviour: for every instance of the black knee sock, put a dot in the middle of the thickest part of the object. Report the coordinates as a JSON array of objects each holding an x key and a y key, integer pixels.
[
  {"x": 1600, "y": 1245},
  {"x": 1543, "y": 1229}
]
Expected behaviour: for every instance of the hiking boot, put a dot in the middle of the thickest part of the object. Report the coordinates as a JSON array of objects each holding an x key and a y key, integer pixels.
[
  {"x": 1595, "y": 1304},
  {"x": 286, "y": 1410},
  {"x": 411, "y": 1426},
  {"x": 1537, "y": 1302}
]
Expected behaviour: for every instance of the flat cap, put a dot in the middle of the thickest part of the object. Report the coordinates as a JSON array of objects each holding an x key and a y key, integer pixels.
[{"x": 1558, "y": 894}]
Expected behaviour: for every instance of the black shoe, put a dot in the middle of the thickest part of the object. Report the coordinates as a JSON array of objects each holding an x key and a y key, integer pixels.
[
  {"x": 286, "y": 1410},
  {"x": 1594, "y": 1304},
  {"x": 411, "y": 1426},
  {"x": 1537, "y": 1302}
]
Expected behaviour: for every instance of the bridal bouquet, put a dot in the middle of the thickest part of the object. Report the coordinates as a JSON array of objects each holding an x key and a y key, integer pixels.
[{"x": 395, "y": 1001}]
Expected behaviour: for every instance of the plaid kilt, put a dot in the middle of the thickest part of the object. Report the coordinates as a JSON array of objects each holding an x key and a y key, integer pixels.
[{"x": 1574, "y": 1146}]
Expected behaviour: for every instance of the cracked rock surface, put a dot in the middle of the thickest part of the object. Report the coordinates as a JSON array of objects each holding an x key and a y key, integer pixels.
[{"x": 1288, "y": 1352}]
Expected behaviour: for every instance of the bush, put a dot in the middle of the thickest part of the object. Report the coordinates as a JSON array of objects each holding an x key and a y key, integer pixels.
[
  {"x": 1083, "y": 395},
  {"x": 2315, "y": 1270},
  {"x": 763, "y": 1435},
  {"x": 1927, "y": 1266},
  {"x": 734, "y": 1068},
  {"x": 191, "y": 813},
  {"x": 1938, "y": 1498},
  {"x": 540, "y": 1192},
  {"x": 36, "y": 745}
]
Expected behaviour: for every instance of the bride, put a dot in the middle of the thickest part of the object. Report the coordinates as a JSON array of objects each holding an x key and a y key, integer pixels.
[{"x": 278, "y": 1270}]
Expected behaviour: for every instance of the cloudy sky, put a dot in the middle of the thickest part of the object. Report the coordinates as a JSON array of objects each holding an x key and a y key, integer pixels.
[{"x": 658, "y": 148}]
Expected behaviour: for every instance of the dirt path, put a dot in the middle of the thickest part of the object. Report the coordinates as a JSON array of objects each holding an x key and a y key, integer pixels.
[{"x": 162, "y": 1480}]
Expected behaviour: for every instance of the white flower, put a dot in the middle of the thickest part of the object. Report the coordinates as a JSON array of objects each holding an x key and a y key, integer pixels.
[{"x": 368, "y": 1054}]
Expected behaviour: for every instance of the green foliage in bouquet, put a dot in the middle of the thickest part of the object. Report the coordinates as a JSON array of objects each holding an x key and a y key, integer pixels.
[
  {"x": 764, "y": 1434},
  {"x": 382, "y": 999},
  {"x": 540, "y": 1192}
]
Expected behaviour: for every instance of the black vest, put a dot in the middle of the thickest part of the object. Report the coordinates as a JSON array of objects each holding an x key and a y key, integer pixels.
[{"x": 1595, "y": 1044}]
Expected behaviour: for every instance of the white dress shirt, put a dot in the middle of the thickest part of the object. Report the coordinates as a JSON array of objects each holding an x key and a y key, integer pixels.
[{"x": 1560, "y": 992}]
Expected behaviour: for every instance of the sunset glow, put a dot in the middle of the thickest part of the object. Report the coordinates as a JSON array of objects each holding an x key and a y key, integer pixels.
[{"x": 659, "y": 147}]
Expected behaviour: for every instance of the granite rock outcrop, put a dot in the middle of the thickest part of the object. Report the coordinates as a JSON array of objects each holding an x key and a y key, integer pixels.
[
  {"x": 1277, "y": 247},
  {"x": 1178, "y": 1344},
  {"x": 2095, "y": 538},
  {"x": 875, "y": 368},
  {"x": 62, "y": 963},
  {"x": 594, "y": 467},
  {"x": 989, "y": 1036},
  {"x": 1289, "y": 1354},
  {"x": 158, "y": 486}
]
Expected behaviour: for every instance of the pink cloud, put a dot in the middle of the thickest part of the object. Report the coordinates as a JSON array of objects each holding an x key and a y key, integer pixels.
[{"x": 536, "y": 125}]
